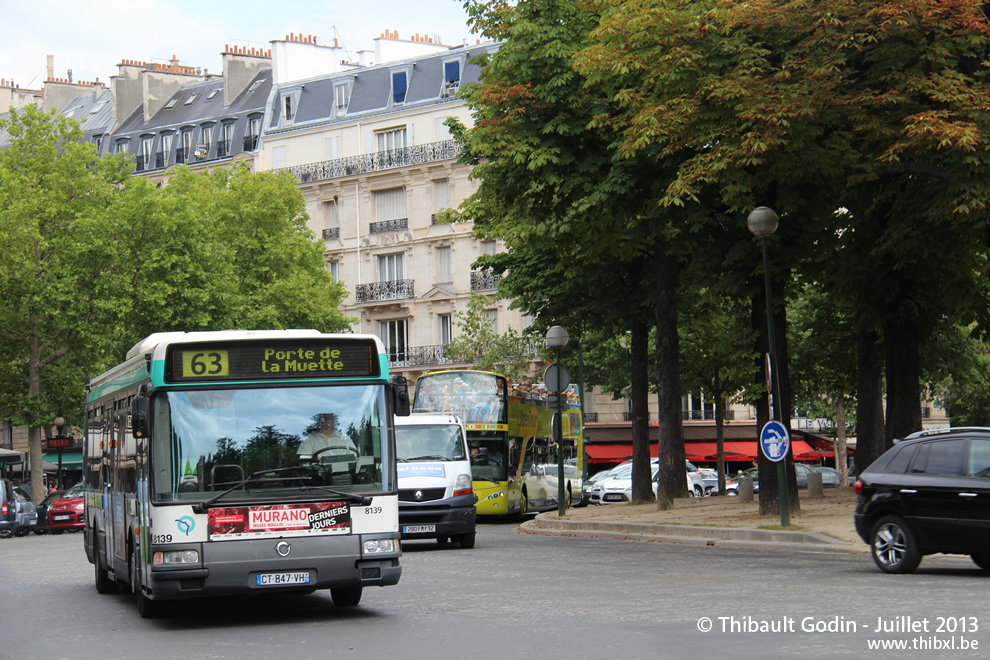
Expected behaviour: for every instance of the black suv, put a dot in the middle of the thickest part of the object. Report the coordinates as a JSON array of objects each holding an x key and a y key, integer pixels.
[{"x": 928, "y": 493}]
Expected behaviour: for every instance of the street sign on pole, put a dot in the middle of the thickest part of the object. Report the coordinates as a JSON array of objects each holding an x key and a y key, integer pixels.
[
  {"x": 775, "y": 440},
  {"x": 550, "y": 378}
]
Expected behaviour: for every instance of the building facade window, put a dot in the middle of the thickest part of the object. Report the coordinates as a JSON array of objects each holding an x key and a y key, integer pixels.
[
  {"x": 492, "y": 316},
  {"x": 161, "y": 160},
  {"x": 444, "y": 274},
  {"x": 441, "y": 195},
  {"x": 488, "y": 247},
  {"x": 280, "y": 159},
  {"x": 451, "y": 77},
  {"x": 394, "y": 334},
  {"x": 445, "y": 329},
  {"x": 144, "y": 161},
  {"x": 186, "y": 149},
  {"x": 341, "y": 96},
  {"x": 399, "y": 84},
  {"x": 226, "y": 144},
  {"x": 253, "y": 131},
  {"x": 391, "y": 267},
  {"x": 390, "y": 204},
  {"x": 331, "y": 221},
  {"x": 333, "y": 267},
  {"x": 390, "y": 140}
]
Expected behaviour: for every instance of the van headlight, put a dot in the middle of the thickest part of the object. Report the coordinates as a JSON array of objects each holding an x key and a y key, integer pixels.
[
  {"x": 463, "y": 485},
  {"x": 376, "y": 546}
]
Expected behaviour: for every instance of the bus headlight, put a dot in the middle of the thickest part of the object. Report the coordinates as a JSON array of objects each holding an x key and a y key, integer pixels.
[
  {"x": 495, "y": 496},
  {"x": 381, "y": 545},
  {"x": 173, "y": 557}
]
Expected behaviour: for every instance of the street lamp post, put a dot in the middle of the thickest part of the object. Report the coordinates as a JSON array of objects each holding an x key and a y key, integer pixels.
[
  {"x": 556, "y": 339},
  {"x": 762, "y": 223}
]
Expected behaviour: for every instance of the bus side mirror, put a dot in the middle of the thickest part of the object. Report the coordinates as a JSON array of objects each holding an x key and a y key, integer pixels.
[
  {"x": 141, "y": 416},
  {"x": 400, "y": 396}
]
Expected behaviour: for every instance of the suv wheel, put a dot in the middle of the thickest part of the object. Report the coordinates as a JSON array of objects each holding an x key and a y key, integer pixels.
[{"x": 893, "y": 546}]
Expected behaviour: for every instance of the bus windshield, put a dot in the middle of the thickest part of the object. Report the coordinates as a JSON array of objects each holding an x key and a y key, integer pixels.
[
  {"x": 475, "y": 396},
  {"x": 206, "y": 441}
]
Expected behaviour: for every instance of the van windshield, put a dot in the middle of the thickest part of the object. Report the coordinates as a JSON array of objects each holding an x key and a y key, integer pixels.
[{"x": 429, "y": 442}]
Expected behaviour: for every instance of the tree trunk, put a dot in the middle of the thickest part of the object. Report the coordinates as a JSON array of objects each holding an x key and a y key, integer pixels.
[
  {"x": 34, "y": 430},
  {"x": 840, "y": 439},
  {"x": 869, "y": 400},
  {"x": 903, "y": 387},
  {"x": 642, "y": 483},
  {"x": 719, "y": 438},
  {"x": 672, "y": 482}
]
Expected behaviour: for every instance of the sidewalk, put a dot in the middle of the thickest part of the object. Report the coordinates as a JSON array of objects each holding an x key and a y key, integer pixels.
[{"x": 823, "y": 524}]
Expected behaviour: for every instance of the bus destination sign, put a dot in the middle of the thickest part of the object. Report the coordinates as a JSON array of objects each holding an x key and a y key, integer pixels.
[{"x": 281, "y": 360}]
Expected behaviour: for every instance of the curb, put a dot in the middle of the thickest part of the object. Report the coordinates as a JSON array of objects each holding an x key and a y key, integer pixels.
[{"x": 691, "y": 535}]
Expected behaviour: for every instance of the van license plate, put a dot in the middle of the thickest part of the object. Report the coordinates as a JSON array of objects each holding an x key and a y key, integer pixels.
[
  {"x": 275, "y": 579},
  {"x": 418, "y": 529}
]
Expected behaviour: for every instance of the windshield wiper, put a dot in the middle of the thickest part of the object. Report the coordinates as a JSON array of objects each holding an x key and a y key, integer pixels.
[
  {"x": 432, "y": 457},
  {"x": 201, "y": 507},
  {"x": 353, "y": 498}
]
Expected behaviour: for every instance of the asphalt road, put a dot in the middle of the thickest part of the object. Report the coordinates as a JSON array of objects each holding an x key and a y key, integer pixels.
[{"x": 517, "y": 595}]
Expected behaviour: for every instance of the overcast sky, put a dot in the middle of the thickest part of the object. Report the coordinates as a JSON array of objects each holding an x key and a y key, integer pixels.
[{"x": 92, "y": 36}]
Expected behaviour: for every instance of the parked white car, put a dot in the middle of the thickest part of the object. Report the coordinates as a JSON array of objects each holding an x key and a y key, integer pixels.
[{"x": 618, "y": 487}]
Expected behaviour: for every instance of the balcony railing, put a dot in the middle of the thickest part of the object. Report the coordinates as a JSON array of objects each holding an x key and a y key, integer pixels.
[
  {"x": 331, "y": 234},
  {"x": 159, "y": 160},
  {"x": 250, "y": 142},
  {"x": 180, "y": 155},
  {"x": 484, "y": 280},
  {"x": 590, "y": 417},
  {"x": 139, "y": 164},
  {"x": 696, "y": 415},
  {"x": 382, "y": 226},
  {"x": 381, "y": 160},
  {"x": 391, "y": 290},
  {"x": 419, "y": 356}
]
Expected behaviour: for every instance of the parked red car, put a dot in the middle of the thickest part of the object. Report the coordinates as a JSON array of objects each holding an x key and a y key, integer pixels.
[{"x": 67, "y": 513}]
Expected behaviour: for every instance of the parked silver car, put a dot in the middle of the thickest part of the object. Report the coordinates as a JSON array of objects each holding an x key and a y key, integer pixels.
[{"x": 17, "y": 511}]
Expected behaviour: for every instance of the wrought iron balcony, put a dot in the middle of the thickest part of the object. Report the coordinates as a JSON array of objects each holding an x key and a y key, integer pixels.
[
  {"x": 180, "y": 155},
  {"x": 381, "y": 160},
  {"x": 484, "y": 280},
  {"x": 250, "y": 142},
  {"x": 139, "y": 164},
  {"x": 391, "y": 290},
  {"x": 160, "y": 160},
  {"x": 332, "y": 233},
  {"x": 382, "y": 226},
  {"x": 590, "y": 417},
  {"x": 419, "y": 356}
]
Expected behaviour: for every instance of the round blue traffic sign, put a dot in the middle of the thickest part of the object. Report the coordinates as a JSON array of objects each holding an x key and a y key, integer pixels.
[{"x": 775, "y": 440}]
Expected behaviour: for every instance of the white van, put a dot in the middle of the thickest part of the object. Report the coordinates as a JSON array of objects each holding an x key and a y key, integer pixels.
[{"x": 436, "y": 496}]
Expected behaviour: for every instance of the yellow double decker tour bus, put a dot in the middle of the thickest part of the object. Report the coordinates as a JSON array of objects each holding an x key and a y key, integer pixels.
[{"x": 510, "y": 436}]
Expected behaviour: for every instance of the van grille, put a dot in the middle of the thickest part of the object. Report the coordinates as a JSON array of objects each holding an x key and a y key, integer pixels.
[{"x": 429, "y": 494}]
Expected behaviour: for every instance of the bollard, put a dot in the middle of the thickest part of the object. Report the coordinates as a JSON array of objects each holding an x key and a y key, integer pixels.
[
  {"x": 815, "y": 487},
  {"x": 746, "y": 489}
]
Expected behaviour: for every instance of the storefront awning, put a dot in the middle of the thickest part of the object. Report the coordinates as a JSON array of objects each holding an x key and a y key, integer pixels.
[{"x": 71, "y": 461}]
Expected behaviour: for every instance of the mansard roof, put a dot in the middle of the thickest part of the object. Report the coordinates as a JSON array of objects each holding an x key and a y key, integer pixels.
[{"x": 371, "y": 91}]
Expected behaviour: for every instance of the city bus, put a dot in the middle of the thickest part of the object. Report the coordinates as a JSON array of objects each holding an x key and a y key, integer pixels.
[
  {"x": 242, "y": 462},
  {"x": 514, "y": 460}
]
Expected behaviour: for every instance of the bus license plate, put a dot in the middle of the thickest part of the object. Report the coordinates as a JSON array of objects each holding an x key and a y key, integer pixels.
[
  {"x": 418, "y": 529},
  {"x": 275, "y": 579}
]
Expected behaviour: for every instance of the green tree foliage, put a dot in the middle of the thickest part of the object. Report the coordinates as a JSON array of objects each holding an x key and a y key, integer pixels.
[
  {"x": 479, "y": 343},
  {"x": 97, "y": 259}
]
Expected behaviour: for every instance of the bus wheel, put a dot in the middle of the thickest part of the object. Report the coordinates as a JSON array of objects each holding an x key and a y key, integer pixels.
[
  {"x": 104, "y": 585},
  {"x": 523, "y": 506},
  {"x": 346, "y": 596},
  {"x": 147, "y": 608}
]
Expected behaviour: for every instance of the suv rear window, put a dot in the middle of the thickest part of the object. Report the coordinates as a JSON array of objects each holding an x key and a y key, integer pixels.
[
  {"x": 979, "y": 458},
  {"x": 943, "y": 457}
]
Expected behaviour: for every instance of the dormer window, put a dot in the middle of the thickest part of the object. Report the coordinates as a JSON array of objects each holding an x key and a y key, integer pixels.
[
  {"x": 171, "y": 104},
  {"x": 399, "y": 85},
  {"x": 287, "y": 101},
  {"x": 213, "y": 93},
  {"x": 191, "y": 99},
  {"x": 256, "y": 84},
  {"x": 451, "y": 77}
]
